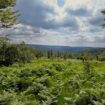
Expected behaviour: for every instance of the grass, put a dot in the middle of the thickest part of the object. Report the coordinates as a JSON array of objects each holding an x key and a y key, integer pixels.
[{"x": 53, "y": 82}]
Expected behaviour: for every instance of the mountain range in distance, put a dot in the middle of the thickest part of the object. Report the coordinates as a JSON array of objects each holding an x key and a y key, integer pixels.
[{"x": 66, "y": 48}]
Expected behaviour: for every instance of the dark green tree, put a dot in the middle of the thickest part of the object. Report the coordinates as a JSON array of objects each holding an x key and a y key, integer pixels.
[
  {"x": 4, "y": 42},
  {"x": 7, "y": 20},
  {"x": 101, "y": 57},
  {"x": 50, "y": 54},
  {"x": 7, "y": 15}
]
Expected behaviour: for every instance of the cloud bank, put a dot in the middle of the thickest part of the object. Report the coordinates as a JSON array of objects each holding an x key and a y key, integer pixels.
[{"x": 60, "y": 22}]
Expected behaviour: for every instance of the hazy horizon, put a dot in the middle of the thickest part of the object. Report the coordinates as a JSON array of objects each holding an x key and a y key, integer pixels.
[{"x": 65, "y": 46}]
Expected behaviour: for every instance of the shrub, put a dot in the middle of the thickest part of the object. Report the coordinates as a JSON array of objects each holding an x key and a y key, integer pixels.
[{"x": 59, "y": 67}]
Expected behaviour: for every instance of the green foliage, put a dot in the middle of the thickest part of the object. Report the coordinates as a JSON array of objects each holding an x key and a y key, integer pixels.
[
  {"x": 38, "y": 54},
  {"x": 59, "y": 67},
  {"x": 53, "y": 82},
  {"x": 50, "y": 54},
  {"x": 7, "y": 15},
  {"x": 12, "y": 53},
  {"x": 101, "y": 57},
  {"x": 6, "y": 3}
]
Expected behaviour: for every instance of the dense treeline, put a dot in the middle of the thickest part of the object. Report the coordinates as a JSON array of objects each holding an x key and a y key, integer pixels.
[{"x": 12, "y": 53}]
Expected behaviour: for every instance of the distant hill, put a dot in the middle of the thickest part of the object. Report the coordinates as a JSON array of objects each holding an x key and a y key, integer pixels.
[
  {"x": 96, "y": 51},
  {"x": 92, "y": 50},
  {"x": 60, "y": 48}
]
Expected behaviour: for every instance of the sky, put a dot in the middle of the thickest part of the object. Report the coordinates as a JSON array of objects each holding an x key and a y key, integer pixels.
[{"x": 59, "y": 22}]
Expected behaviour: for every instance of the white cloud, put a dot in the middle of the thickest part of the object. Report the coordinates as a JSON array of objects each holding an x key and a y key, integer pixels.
[{"x": 74, "y": 23}]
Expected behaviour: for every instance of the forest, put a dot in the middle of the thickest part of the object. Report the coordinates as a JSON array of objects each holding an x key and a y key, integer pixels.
[{"x": 30, "y": 76}]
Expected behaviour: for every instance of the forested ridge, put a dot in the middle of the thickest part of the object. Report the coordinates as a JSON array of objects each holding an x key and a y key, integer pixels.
[{"x": 11, "y": 53}]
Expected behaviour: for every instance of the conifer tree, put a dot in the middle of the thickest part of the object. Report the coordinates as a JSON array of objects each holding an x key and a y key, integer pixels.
[{"x": 7, "y": 15}]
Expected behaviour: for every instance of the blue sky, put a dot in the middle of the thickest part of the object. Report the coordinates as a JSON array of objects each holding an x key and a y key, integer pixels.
[
  {"x": 61, "y": 2},
  {"x": 59, "y": 22}
]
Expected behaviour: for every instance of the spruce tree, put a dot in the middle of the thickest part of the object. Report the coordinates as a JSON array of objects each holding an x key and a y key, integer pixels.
[
  {"x": 7, "y": 20},
  {"x": 7, "y": 15}
]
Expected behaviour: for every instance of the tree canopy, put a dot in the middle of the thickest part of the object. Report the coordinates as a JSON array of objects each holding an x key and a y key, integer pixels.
[{"x": 7, "y": 15}]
